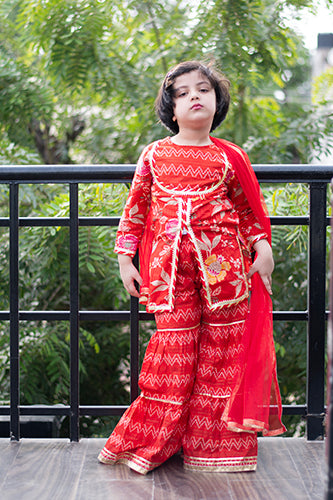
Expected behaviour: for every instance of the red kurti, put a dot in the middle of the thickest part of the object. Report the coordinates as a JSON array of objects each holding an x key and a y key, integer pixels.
[{"x": 190, "y": 190}]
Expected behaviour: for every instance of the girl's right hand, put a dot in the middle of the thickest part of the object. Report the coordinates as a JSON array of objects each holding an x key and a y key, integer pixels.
[{"x": 129, "y": 274}]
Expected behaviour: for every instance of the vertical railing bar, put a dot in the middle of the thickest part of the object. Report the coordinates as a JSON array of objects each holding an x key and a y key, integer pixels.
[
  {"x": 14, "y": 313},
  {"x": 316, "y": 311},
  {"x": 74, "y": 311},
  {"x": 135, "y": 332},
  {"x": 329, "y": 425}
]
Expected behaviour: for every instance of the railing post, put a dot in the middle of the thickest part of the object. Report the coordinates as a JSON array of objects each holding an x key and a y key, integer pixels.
[
  {"x": 14, "y": 313},
  {"x": 74, "y": 311},
  {"x": 329, "y": 430},
  {"x": 316, "y": 311}
]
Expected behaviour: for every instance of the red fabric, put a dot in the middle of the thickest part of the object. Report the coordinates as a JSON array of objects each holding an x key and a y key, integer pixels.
[
  {"x": 145, "y": 248},
  {"x": 190, "y": 367},
  {"x": 255, "y": 404}
]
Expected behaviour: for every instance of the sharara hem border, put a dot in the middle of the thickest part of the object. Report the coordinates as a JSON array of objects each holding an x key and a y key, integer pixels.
[
  {"x": 134, "y": 462},
  {"x": 238, "y": 464}
]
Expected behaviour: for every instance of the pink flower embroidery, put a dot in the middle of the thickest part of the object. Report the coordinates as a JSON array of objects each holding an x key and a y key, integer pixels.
[
  {"x": 171, "y": 228},
  {"x": 143, "y": 168},
  {"x": 128, "y": 242}
]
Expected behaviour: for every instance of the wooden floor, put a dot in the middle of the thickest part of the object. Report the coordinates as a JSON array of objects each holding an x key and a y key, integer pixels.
[{"x": 57, "y": 469}]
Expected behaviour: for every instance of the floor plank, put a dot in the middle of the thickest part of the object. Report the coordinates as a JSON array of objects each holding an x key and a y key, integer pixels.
[
  {"x": 288, "y": 469},
  {"x": 44, "y": 468},
  {"x": 100, "y": 481}
]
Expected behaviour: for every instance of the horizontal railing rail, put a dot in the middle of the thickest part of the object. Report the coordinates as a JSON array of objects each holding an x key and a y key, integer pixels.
[{"x": 316, "y": 176}]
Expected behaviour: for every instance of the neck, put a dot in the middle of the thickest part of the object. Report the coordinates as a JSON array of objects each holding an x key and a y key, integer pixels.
[{"x": 192, "y": 138}]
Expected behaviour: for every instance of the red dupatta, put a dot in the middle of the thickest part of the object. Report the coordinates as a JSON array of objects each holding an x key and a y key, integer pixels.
[{"x": 255, "y": 404}]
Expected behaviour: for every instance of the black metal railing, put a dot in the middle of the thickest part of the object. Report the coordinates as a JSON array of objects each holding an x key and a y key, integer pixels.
[
  {"x": 329, "y": 441},
  {"x": 317, "y": 177}
]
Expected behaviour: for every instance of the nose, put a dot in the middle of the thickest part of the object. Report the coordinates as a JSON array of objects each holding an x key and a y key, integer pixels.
[{"x": 194, "y": 94}]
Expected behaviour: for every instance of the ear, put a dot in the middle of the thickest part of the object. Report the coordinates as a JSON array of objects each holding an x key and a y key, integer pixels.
[{"x": 174, "y": 119}]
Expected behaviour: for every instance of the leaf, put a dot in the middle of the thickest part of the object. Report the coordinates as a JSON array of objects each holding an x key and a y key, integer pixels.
[
  {"x": 206, "y": 240},
  {"x": 216, "y": 241},
  {"x": 90, "y": 267}
]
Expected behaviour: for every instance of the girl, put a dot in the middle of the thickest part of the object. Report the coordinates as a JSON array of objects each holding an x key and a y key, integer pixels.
[{"x": 208, "y": 380}]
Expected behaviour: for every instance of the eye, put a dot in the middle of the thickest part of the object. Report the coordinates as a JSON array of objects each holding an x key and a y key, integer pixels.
[
  {"x": 182, "y": 94},
  {"x": 204, "y": 89}
]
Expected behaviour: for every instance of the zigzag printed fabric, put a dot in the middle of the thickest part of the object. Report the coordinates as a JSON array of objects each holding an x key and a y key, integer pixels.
[{"x": 188, "y": 373}]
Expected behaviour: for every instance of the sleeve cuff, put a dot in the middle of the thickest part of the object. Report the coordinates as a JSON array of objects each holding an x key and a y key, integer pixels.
[
  {"x": 124, "y": 251},
  {"x": 253, "y": 239}
]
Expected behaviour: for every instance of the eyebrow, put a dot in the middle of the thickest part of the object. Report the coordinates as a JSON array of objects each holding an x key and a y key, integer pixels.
[{"x": 197, "y": 84}]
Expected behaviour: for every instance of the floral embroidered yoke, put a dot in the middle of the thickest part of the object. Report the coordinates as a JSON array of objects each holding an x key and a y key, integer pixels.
[{"x": 192, "y": 191}]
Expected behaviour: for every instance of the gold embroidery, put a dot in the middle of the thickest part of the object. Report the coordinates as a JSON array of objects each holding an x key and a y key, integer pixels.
[
  {"x": 178, "y": 329},
  {"x": 224, "y": 324},
  {"x": 133, "y": 461},
  {"x": 232, "y": 464},
  {"x": 162, "y": 400}
]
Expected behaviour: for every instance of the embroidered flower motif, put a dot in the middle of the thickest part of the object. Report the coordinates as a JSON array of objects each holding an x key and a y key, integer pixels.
[
  {"x": 216, "y": 268},
  {"x": 171, "y": 228},
  {"x": 143, "y": 168},
  {"x": 129, "y": 242}
]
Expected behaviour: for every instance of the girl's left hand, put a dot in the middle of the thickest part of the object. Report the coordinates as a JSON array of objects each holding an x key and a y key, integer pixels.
[{"x": 264, "y": 263}]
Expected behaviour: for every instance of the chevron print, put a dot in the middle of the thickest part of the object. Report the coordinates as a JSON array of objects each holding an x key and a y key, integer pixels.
[
  {"x": 230, "y": 352},
  {"x": 172, "y": 338},
  {"x": 225, "y": 314},
  {"x": 187, "y": 376},
  {"x": 222, "y": 373},
  {"x": 204, "y": 444},
  {"x": 193, "y": 172},
  {"x": 171, "y": 359},
  {"x": 210, "y": 155},
  {"x": 178, "y": 381},
  {"x": 180, "y": 316},
  {"x": 209, "y": 394}
]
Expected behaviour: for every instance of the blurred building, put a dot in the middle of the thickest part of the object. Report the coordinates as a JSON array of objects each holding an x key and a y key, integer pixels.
[
  {"x": 323, "y": 57},
  {"x": 321, "y": 62}
]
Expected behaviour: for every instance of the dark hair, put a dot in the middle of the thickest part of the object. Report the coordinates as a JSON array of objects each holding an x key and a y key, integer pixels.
[{"x": 164, "y": 103}]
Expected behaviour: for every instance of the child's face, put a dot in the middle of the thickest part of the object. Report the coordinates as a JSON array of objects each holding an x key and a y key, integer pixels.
[{"x": 194, "y": 101}]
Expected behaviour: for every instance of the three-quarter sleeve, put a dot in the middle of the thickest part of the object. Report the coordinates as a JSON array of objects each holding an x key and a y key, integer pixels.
[{"x": 132, "y": 222}]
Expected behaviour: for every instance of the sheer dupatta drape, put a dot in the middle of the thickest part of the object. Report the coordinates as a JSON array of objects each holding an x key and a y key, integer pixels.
[{"x": 255, "y": 404}]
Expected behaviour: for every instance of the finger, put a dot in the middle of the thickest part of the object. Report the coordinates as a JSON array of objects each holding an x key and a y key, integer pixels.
[
  {"x": 133, "y": 285},
  {"x": 253, "y": 269},
  {"x": 132, "y": 290},
  {"x": 268, "y": 284},
  {"x": 138, "y": 279}
]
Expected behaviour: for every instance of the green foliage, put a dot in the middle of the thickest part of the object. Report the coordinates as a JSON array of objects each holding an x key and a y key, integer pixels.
[
  {"x": 69, "y": 33},
  {"x": 22, "y": 95},
  {"x": 288, "y": 200},
  {"x": 290, "y": 293},
  {"x": 78, "y": 81},
  {"x": 44, "y": 285},
  {"x": 13, "y": 154}
]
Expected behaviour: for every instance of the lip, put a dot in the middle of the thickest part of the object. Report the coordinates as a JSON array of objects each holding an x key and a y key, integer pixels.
[{"x": 197, "y": 106}]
